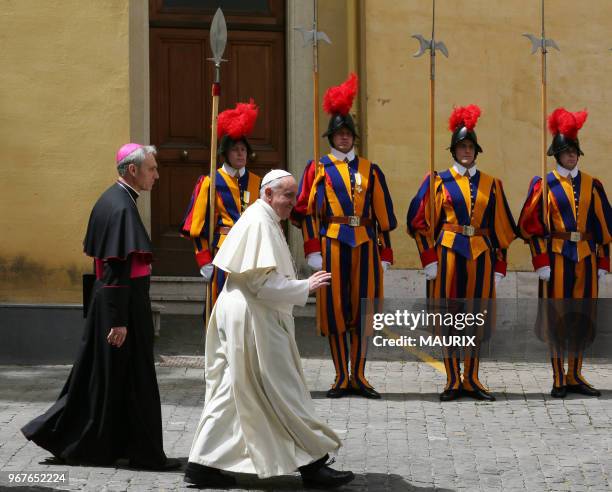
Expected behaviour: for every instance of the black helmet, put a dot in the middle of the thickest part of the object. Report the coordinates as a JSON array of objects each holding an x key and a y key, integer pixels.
[
  {"x": 561, "y": 142},
  {"x": 462, "y": 133},
  {"x": 338, "y": 121}
]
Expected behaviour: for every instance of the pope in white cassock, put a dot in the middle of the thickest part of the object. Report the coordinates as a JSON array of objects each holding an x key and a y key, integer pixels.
[{"x": 258, "y": 415}]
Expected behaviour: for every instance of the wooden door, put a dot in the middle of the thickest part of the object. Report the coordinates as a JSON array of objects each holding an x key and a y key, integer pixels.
[{"x": 181, "y": 79}]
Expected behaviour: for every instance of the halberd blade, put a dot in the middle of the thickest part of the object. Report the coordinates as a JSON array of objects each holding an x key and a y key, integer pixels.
[
  {"x": 218, "y": 36},
  {"x": 424, "y": 45},
  {"x": 551, "y": 44},
  {"x": 440, "y": 46}
]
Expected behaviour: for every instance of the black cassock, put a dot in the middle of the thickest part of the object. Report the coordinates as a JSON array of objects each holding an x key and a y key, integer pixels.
[{"x": 109, "y": 407}]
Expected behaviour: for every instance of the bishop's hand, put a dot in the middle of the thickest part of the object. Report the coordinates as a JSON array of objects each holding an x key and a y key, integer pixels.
[{"x": 117, "y": 335}]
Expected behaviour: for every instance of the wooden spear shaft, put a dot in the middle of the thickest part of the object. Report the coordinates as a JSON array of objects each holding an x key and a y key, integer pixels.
[
  {"x": 543, "y": 163},
  {"x": 315, "y": 112},
  {"x": 432, "y": 127},
  {"x": 432, "y": 212},
  {"x": 544, "y": 183},
  {"x": 216, "y": 91},
  {"x": 543, "y": 122},
  {"x": 315, "y": 134}
]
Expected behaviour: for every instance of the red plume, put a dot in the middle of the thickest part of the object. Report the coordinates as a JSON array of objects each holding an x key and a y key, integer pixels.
[
  {"x": 339, "y": 99},
  {"x": 464, "y": 116},
  {"x": 563, "y": 121},
  {"x": 238, "y": 122}
]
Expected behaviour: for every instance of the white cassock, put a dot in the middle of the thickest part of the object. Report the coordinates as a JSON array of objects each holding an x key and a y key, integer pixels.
[{"x": 258, "y": 415}]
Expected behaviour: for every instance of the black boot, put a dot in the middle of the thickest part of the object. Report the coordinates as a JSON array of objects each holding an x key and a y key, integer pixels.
[
  {"x": 318, "y": 475},
  {"x": 336, "y": 392},
  {"x": 558, "y": 392},
  {"x": 206, "y": 476},
  {"x": 478, "y": 394},
  {"x": 583, "y": 389},
  {"x": 450, "y": 394},
  {"x": 360, "y": 389}
]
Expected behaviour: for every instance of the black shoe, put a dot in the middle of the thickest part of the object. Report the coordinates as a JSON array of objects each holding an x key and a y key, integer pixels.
[
  {"x": 319, "y": 475},
  {"x": 206, "y": 476},
  {"x": 335, "y": 392},
  {"x": 478, "y": 394},
  {"x": 450, "y": 394},
  {"x": 583, "y": 389},
  {"x": 169, "y": 464},
  {"x": 558, "y": 391},
  {"x": 366, "y": 392}
]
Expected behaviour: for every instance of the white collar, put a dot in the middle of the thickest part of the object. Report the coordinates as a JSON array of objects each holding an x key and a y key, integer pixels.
[
  {"x": 564, "y": 173},
  {"x": 341, "y": 155},
  {"x": 269, "y": 209},
  {"x": 461, "y": 169},
  {"x": 232, "y": 171},
  {"x": 125, "y": 183}
]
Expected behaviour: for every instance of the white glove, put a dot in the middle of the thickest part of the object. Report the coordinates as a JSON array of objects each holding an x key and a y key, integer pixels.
[
  {"x": 544, "y": 273},
  {"x": 498, "y": 277},
  {"x": 315, "y": 261},
  {"x": 207, "y": 272},
  {"x": 385, "y": 265},
  {"x": 431, "y": 270},
  {"x": 601, "y": 273}
]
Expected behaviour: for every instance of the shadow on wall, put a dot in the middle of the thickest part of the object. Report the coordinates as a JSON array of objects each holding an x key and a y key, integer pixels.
[{"x": 26, "y": 280}]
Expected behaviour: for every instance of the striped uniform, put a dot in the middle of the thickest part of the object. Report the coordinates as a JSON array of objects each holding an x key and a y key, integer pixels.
[
  {"x": 466, "y": 264},
  {"x": 352, "y": 254},
  {"x": 234, "y": 195},
  {"x": 574, "y": 204}
]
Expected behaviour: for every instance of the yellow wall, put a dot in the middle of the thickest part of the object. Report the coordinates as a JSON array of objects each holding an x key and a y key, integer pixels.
[
  {"x": 490, "y": 64},
  {"x": 65, "y": 109}
]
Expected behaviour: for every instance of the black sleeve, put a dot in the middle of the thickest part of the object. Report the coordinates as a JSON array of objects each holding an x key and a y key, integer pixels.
[{"x": 116, "y": 291}]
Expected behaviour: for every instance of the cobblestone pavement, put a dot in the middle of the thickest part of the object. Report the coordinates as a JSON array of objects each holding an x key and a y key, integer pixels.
[{"x": 406, "y": 441}]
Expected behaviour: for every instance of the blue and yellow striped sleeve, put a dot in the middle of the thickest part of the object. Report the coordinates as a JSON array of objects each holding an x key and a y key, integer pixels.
[
  {"x": 417, "y": 222},
  {"x": 316, "y": 204},
  {"x": 504, "y": 228},
  {"x": 602, "y": 225},
  {"x": 195, "y": 224},
  {"x": 382, "y": 206},
  {"x": 531, "y": 225}
]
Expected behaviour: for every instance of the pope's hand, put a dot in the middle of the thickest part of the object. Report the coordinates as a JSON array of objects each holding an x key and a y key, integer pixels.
[
  {"x": 315, "y": 261},
  {"x": 601, "y": 272},
  {"x": 385, "y": 265},
  {"x": 117, "y": 335},
  {"x": 431, "y": 270},
  {"x": 318, "y": 279},
  {"x": 544, "y": 273},
  {"x": 207, "y": 272}
]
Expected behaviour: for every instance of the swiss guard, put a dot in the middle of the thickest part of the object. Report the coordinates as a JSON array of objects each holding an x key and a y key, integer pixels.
[
  {"x": 464, "y": 251},
  {"x": 346, "y": 214},
  {"x": 235, "y": 188},
  {"x": 570, "y": 250}
]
